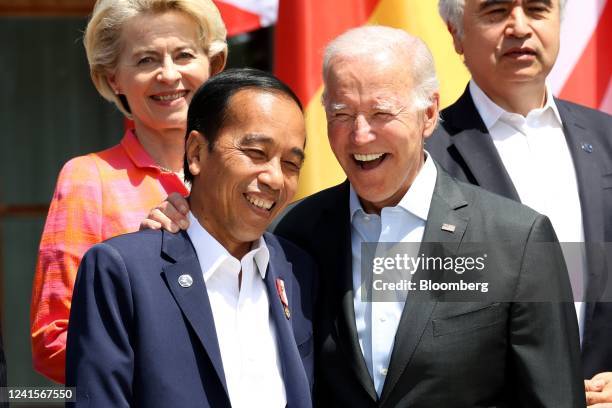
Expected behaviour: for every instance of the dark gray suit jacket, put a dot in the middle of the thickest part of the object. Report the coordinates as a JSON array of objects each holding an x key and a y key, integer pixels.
[
  {"x": 463, "y": 146},
  {"x": 461, "y": 354}
]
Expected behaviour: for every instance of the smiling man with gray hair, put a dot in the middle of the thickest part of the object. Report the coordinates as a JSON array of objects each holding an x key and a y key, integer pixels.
[
  {"x": 381, "y": 101},
  {"x": 429, "y": 347},
  {"x": 508, "y": 134}
]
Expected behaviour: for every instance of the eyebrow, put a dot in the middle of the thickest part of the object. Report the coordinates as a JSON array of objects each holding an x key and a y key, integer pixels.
[
  {"x": 546, "y": 2},
  {"x": 488, "y": 3},
  {"x": 385, "y": 106},
  {"x": 153, "y": 50},
  {"x": 251, "y": 139},
  {"x": 335, "y": 107}
]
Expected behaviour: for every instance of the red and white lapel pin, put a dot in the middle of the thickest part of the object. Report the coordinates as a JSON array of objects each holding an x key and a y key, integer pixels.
[{"x": 282, "y": 294}]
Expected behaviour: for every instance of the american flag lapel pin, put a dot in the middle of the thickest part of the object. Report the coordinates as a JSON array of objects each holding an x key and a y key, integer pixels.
[{"x": 280, "y": 288}]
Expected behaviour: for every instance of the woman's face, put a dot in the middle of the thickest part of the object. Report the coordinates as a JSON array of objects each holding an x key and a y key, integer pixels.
[{"x": 160, "y": 66}]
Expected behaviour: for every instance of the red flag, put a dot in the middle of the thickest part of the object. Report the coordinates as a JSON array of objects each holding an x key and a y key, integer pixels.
[
  {"x": 304, "y": 28},
  {"x": 241, "y": 16},
  {"x": 583, "y": 71}
]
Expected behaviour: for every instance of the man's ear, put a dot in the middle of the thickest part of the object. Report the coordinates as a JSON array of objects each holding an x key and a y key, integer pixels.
[
  {"x": 430, "y": 115},
  {"x": 457, "y": 43},
  {"x": 196, "y": 148},
  {"x": 217, "y": 63}
]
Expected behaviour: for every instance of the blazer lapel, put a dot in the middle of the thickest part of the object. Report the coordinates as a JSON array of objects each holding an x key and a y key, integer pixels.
[
  {"x": 193, "y": 300},
  {"x": 446, "y": 200},
  {"x": 338, "y": 247},
  {"x": 473, "y": 142},
  {"x": 583, "y": 149},
  {"x": 297, "y": 386}
]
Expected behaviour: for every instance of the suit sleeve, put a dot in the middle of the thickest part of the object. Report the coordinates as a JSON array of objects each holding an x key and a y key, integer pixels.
[
  {"x": 73, "y": 225},
  {"x": 544, "y": 339},
  {"x": 100, "y": 357}
]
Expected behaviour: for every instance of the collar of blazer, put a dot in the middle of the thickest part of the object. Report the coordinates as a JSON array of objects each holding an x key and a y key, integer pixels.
[
  {"x": 195, "y": 305},
  {"x": 447, "y": 207},
  {"x": 471, "y": 139}
]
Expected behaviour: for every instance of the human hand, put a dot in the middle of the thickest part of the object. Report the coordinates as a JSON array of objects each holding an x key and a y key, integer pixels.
[
  {"x": 170, "y": 215},
  {"x": 599, "y": 390}
]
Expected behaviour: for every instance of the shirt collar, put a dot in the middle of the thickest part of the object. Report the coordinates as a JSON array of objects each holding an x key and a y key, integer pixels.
[
  {"x": 211, "y": 254},
  {"x": 418, "y": 197},
  {"x": 136, "y": 152},
  {"x": 490, "y": 112},
  {"x": 141, "y": 159}
]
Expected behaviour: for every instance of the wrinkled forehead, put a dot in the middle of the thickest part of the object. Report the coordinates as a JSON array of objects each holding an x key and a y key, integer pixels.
[
  {"x": 486, "y": 3},
  {"x": 372, "y": 82}
]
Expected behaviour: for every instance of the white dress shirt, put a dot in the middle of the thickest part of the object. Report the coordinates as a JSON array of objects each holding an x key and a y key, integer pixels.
[
  {"x": 535, "y": 154},
  {"x": 377, "y": 322},
  {"x": 245, "y": 330}
]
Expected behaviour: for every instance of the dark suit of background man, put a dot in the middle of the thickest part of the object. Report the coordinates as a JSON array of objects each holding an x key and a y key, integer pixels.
[
  {"x": 381, "y": 100},
  {"x": 218, "y": 315},
  {"x": 507, "y": 134}
]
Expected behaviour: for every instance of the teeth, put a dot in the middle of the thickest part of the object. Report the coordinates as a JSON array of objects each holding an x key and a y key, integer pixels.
[
  {"x": 367, "y": 157},
  {"x": 170, "y": 97},
  {"x": 260, "y": 202}
]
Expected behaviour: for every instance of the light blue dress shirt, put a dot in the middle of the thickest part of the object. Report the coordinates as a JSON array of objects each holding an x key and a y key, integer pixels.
[{"x": 377, "y": 322}]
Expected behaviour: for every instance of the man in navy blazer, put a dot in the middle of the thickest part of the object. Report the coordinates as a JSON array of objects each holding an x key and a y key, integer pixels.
[
  {"x": 218, "y": 315},
  {"x": 509, "y": 135}
]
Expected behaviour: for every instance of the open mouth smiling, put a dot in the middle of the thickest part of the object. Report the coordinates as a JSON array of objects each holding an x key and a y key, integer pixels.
[
  {"x": 259, "y": 203},
  {"x": 370, "y": 160},
  {"x": 169, "y": 97}
]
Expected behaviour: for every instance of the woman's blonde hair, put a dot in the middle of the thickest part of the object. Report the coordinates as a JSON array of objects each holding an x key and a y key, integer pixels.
[{"x": 103, "y": 35}]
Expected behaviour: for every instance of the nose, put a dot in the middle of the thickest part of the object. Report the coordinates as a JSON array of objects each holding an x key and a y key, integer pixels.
[
  {"x": 168, "y": 71},
  {"x": 362, "y": 132},
  {"x": 273, "y": 176},
  {"x": 518, "y": 23}
]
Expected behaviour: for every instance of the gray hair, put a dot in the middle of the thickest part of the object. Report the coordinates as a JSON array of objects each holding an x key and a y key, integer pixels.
[
  {"x": 103, "y": 34},
  {"x": 369, "y": 40},
  {"x": 451, "y": 12}
]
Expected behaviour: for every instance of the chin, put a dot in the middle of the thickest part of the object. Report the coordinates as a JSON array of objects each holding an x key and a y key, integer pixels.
[
  {"x": 370, "y": 188},
  {"x": 372, "y": 197},
  {"x": 171, "y": 123},
  {"x": 251, "y": 234}
]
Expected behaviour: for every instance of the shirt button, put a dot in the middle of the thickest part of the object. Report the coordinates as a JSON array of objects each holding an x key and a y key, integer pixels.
[
  {"x": 383, "y": 371},
  {"x": 382, "y": 319}
]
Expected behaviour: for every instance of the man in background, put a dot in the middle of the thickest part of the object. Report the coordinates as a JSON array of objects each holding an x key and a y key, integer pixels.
[{"x": 508, "y": 134}]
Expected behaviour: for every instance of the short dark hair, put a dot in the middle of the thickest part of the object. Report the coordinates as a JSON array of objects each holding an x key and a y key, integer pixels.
[{"x": 209, "y": 108}]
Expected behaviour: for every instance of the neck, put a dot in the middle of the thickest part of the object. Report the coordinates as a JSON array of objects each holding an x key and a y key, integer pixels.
[
  {"x": 166, "y": 147},
  {"x": 518, "y": 98},
  {"x": 237, "y": 249}
]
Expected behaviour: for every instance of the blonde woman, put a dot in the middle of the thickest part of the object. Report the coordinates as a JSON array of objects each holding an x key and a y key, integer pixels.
[{"x": 148, "y": 57}]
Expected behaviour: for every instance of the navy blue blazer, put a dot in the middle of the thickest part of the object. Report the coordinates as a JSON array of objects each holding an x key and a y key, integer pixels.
[
  {"x": 137, "y": 338},
  {"x": 464, "y": 148}
]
